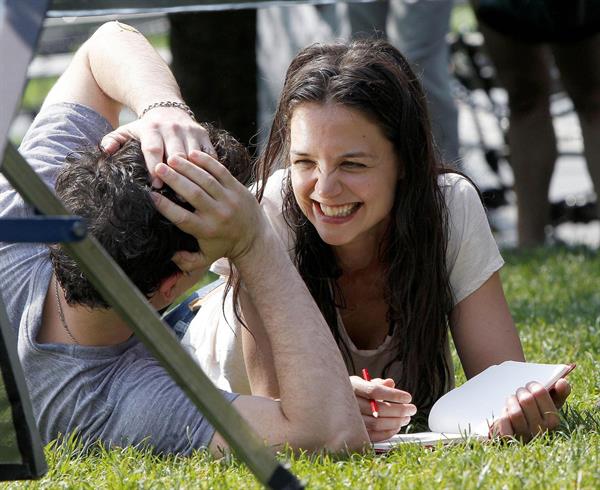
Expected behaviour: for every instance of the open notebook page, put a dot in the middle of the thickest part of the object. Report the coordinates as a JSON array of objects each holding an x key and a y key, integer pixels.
[
  {"x": 467, "y": 411},
  {"x": 473, "y": 406}
]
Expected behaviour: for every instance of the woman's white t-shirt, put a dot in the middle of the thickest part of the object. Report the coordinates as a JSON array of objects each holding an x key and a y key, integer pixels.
[{"x": 214, "y": 337}]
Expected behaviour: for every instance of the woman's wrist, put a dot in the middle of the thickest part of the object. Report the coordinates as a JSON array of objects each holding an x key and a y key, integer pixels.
[{"x": 262, "y": 248}]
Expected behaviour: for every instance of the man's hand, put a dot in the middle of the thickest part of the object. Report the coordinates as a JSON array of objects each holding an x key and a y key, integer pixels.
[
  {"x": 532, "y": 410},
  {"x": 163, "y": 132},
  {"x": 227, "y": 217},
  {"x": 395, "y": 409}
]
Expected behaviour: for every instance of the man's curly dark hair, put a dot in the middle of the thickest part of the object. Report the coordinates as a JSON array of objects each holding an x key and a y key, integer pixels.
[{"x": 112, "y": 192}]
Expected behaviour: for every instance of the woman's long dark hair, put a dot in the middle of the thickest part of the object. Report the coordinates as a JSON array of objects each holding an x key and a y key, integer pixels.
[{"x": 373, "y": 77}]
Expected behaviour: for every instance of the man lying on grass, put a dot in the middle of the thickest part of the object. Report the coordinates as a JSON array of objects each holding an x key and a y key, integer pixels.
[{"x": 85, "y": 370}]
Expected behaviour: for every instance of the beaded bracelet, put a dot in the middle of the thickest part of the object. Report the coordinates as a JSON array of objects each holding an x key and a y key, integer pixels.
[{"x": 179, "y": 105}]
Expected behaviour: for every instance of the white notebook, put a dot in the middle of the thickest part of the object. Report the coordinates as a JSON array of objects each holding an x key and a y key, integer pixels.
[{"x": 471, "y": 409}]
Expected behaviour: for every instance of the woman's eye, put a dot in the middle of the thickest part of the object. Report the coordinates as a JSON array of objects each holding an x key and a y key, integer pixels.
[
  {"x": 353, "y": 165},
  {"x": 303, "y": 163}
]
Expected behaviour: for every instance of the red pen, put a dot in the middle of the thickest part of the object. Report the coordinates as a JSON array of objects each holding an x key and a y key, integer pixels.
[{"x": 374, "y": 407}]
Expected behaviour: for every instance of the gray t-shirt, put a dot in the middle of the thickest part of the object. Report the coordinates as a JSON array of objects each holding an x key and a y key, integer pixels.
[{"x": 117, "y": 394}]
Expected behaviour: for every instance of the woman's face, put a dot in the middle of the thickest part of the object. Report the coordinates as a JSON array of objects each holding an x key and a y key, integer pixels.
[{"x": 344, "y": 172}]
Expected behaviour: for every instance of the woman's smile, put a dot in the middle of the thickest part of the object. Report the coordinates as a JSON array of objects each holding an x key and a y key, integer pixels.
[{"x": 341, "y": 212}]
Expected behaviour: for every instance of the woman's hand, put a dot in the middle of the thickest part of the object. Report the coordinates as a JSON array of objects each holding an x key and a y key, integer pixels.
[
  {"x": 532, "y": 410},
  {"x": 226, "y": 219},
  {"x": 162, "y": 133},
  {"x": 395, "y": 409}
]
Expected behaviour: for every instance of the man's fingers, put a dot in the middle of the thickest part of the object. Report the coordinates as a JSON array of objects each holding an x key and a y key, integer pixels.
[
  {"x": 209, "y": 150},
  {"x": 114, "y": 140},
  {"x": 110, "y": 144},
  {"x": 151, "y": 147},
  {"x": 175, "y": 141},
  {"x": 205, "y": 145},
  {"x": 200, "y": 143},
  {"x": 193, "y": 145},
  {"x": 153, "y": 150}
]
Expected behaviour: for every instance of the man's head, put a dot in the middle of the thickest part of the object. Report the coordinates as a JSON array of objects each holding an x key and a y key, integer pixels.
[{"x": 113, "y": 193}]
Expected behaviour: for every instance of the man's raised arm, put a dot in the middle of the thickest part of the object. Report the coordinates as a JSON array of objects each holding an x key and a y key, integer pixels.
[{"x": 118, "y": 67}]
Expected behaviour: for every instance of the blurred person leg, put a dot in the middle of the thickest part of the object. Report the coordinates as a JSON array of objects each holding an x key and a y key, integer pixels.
[
  {"x": 418, "y": 28},
  {"x": 282, "y": 32},
  {"x": 523, "y": 69},
  {"x": 579, "y": 66}
]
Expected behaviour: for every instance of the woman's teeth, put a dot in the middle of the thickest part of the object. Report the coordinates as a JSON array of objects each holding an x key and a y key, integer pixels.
[{"x": 338, "y": 211}]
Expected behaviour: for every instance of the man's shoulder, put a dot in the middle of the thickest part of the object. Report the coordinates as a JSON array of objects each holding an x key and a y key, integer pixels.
[
  {"x": 56, "y": 131},
  {"x": 61, "y": 128}
]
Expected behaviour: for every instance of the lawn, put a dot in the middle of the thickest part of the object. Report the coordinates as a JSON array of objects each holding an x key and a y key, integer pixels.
[{"x": 555, "y": 298}]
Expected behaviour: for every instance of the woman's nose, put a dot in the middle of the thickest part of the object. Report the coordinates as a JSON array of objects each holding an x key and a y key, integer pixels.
[{"x": 328, "y": 184}]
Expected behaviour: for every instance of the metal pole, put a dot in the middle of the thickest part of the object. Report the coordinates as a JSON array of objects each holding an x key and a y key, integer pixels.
[
  {"x": 20, "y": 25},
  {"x": 31, "y": 462}
]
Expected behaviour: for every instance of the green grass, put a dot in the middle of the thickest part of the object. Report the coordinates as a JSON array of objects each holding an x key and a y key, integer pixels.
[
  {"x": 555, "y": 298},
  {"x": 35, "y": 93}
]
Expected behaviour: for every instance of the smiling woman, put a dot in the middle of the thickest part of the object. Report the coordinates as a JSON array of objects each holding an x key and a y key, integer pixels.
[
  {"x": 344, "y": 173},
  {"x": 394, "y": 248}
]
